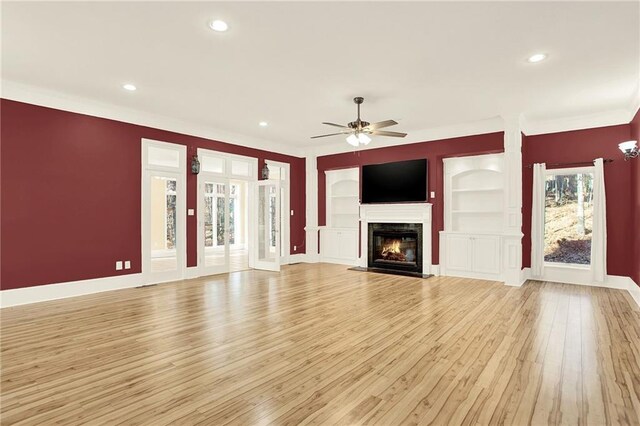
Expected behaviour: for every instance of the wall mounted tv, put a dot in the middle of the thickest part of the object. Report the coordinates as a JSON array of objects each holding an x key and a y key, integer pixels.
[{"x": 399, "y": 182}]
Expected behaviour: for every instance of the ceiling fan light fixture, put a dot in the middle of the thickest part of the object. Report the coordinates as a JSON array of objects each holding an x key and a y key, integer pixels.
[
  {"x": 364, "y": 139},
  {"x": 353, "y": 140}
]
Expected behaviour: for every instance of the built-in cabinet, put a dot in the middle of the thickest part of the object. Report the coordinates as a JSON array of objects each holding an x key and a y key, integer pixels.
[
  {"x": 474, "y": 210},
  {"x": 471, "y": 255},
  {"x": 339, "y": 238}
]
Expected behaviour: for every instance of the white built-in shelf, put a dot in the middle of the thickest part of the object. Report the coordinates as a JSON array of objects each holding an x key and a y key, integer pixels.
[
  {"x": 474, "y": 193},
  {"x": 343, "y": 198}
]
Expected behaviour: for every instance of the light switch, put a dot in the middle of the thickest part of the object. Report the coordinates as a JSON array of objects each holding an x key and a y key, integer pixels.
[
  {"x": 127, "y": 264},
  {"x": 119, "y": 265},
  {"x": 433, "y": 194},
  {"x": 291, "y": 212},
  {"x": 190, "y": 212}
]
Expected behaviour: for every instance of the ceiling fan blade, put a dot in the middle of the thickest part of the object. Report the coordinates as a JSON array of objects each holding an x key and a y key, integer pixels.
[
  {"x": 337, "y": 125},
  {"x": 381, "y": 124},
  {"x": 330, "y": 134},
  {"x": 386, "y": 133}
]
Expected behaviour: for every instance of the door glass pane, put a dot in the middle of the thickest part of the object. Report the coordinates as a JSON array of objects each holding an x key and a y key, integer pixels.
[
  {"x": 266, "y": 223},
  {"x": 163, "y": 224},
  {"x": 214, "y": 224},
  {"x": 568, "y": 218},
  {"x": 238, "y": 226}
]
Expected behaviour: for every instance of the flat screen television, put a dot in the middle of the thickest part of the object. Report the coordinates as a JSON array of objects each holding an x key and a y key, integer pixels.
[{"x": 399, "y": 182}]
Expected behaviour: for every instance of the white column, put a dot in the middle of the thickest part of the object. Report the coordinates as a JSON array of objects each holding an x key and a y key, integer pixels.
[
  {"x": 512, "y": 240},
  {"x": 311, "y": 228}
]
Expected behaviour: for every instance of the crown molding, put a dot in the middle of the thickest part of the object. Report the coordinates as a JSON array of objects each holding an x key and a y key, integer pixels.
[
  {"x": 566, "y": 124},
  {"x": 48, "y": 98},
  {"x": 20, "y": 92}
]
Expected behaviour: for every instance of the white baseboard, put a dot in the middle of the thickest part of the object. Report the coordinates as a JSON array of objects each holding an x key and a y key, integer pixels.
[
  {"x": 634, "y": 291},
  {"x": 191, "y": 272},
  {"x": 435, "y": 270},
  {"x": 613, "y": 281},
  {"x": 43, "y": 293},
  {"x": 353, "y": 262},
  {"x": 297, "y": 258}
]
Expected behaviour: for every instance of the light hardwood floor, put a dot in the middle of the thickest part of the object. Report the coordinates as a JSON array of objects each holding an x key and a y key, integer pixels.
[{"x": 321, "y": 344}]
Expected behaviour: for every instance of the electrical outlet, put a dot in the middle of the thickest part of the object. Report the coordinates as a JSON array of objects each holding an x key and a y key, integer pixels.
[
  {"x": 295, "y": 248},
  {"x": 127, "y": 264},
  {"x": 119, "y": 265},
  {"x": 433, "y": 194},
  {"x": 191, "y": 212},
  {"x": 291, "y": 212}
]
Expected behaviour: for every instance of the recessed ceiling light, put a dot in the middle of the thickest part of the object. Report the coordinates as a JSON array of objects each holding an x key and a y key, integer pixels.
[
  {"x": 218, "y": 25},
  {"x": 263, "y": 124},
  {"x": 128, "y": 86},
  {"x": 537, "y": 58}
]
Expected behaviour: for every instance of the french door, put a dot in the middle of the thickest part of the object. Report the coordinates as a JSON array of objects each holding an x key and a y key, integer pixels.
[
  {"x": 223, "y": 219},
  {"x": 215, "y": 225},
  {"x": 267, "y": 238},
  {"x": 163, "y": 212}
]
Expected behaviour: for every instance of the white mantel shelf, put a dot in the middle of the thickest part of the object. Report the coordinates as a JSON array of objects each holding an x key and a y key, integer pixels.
[{"x": 397, "y": 213}]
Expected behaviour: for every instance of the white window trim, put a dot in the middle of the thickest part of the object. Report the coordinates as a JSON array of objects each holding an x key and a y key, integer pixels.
[
  {"x": 567, "y": 272},
  {"x": 181, "y": 206}
]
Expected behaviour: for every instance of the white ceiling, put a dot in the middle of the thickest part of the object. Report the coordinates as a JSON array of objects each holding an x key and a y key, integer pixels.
[{"x": 295, "y": 65}]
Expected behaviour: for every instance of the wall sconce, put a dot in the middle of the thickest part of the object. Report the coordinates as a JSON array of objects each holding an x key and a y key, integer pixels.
[
  {"x": 629, "y": 149},
  {"x": 265, "y": 172},
  {"x": 195, "y": 165}
]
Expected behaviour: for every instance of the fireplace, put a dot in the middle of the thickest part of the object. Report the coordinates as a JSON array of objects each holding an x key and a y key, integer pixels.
[{"x": 395, "y": 246}]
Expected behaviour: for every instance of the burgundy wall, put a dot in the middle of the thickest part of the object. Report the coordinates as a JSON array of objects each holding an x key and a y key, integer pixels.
[
  {"x": 71, "y": 194},
  {"x": 433, "y": 151},
  {"x": 635, "y": 200},
  {"x": 586, "y": 145}
]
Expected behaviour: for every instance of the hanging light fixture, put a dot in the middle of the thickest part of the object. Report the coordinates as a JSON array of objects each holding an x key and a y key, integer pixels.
[
  {"x": 358, "y": 138},
  {"x": 364, "y": 139},
  {"x": 353, "y": 140},
  {"x": 629, "y": 149}
]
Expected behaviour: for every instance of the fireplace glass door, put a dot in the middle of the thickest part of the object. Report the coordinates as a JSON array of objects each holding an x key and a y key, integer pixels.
[{"x": 395, "y": 246}]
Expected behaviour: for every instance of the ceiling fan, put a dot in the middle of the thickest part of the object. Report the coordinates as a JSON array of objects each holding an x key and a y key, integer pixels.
[{"x": 359, "y": 130}]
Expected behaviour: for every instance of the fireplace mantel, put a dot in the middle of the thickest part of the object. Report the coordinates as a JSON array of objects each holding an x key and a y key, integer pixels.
[{"x": 397, "y": 213}]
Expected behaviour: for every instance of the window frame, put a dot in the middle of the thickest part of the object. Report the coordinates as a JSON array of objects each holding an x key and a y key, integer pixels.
[{"x": 567, "y": 171}]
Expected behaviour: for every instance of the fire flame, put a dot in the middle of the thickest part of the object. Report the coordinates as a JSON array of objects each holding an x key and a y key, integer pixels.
[{"x": 393, "y": 248}]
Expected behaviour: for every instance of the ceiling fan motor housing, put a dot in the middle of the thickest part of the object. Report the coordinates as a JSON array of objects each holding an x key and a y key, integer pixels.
[{"x": 358, "y": 124}]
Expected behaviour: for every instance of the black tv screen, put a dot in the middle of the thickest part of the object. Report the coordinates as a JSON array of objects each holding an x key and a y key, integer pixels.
[{"x": 399, "y": 182}]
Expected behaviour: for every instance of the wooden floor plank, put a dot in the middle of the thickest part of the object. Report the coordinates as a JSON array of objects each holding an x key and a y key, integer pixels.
[{"x": 319, "y": 344}]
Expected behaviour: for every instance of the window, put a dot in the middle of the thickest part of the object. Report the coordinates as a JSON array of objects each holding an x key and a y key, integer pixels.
[{"x": 568, "y": 216}]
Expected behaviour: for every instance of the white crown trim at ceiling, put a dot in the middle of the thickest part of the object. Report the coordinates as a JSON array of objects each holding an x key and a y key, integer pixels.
[
  {"x": 566, "y": 124},
  {"x": 51, "y": 99}
]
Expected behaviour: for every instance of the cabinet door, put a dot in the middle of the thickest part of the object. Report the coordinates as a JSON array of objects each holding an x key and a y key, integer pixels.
[
  {"x": 348, "y": 244},
  {"x": 458, "y": 256},
  {"x": 486, "y": 254},
  {"x": 329, "y": 245}
]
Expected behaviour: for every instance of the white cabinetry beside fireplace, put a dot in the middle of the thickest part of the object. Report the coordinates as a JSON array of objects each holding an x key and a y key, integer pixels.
[
  {"x": 400, "y": 214},
  {"x": 339, "y": 238},
  {"x": 474, "y": 216}
]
